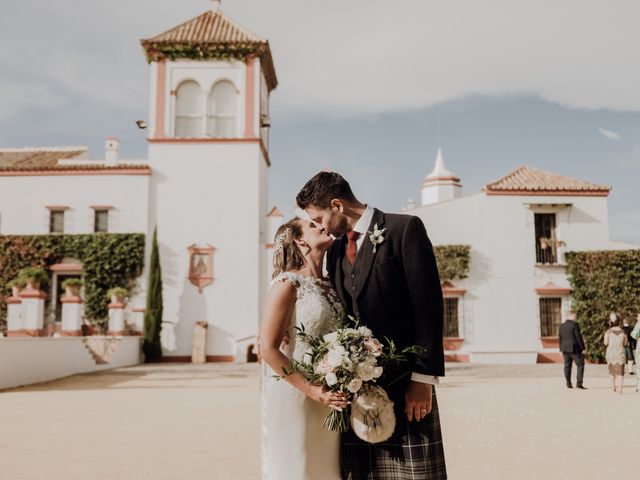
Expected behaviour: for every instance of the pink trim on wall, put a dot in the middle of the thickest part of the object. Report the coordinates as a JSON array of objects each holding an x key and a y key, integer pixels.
[
  {"x": 450, "y": 289},
  {"x": 160, "y": 88},
  {"x": 552, "y": 289},
  {"x": 73, "y": 299},
  {"x": 101, "y": 207},
  {"x": 138, "y": 309},
  {"x": 115, "y": 306},
  {"x": 13, "y": 300},
  {"x": 249, "y": 98},
  {"x": 32, "y": 294},
  {"x": 57, "y": 207},
  {"x": 66, "y": 267}
]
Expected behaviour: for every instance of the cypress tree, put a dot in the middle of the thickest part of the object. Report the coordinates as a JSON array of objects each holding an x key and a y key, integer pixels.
[{"x": 152, "y": 347}]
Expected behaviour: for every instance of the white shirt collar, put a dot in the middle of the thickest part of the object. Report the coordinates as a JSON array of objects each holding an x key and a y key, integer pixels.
[{"x": 363, "y": 223}]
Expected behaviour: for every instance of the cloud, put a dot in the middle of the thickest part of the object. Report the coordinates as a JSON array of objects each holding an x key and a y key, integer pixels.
[
  {"x": 355, "y": 57},
  {"x": 609, "y": 134}
]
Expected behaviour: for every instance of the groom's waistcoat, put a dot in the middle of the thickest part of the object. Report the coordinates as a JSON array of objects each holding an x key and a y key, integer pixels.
[
  {"x": 349, "y": 274},
  {"x": 394, "y": 290}
]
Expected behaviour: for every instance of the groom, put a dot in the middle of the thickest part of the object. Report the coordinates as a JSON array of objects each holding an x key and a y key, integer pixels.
[{"x": 383, "y": 267}]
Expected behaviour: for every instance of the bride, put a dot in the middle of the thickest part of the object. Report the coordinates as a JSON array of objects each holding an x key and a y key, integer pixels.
[{"x": 295, "y": 446}]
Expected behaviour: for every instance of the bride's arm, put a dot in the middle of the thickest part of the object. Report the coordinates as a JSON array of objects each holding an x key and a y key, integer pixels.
[{"x": 278, "y": 310}]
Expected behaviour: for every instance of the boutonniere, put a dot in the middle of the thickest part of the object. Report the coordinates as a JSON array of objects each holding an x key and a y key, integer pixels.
[{"x": 376, "y": 237}]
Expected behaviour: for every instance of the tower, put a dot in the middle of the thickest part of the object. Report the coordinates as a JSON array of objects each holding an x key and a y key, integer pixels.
[
  {"x": 208, "y": 147},
  {"x": 441, "y": 184}
]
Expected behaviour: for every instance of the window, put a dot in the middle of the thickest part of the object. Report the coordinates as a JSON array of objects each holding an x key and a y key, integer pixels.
[
  {"x": 550, "y": 316},
  {"x": 451, "y": 328},
  {"x": 56, "y": 221},
  {"x": 221, "y": 110},
  {"x": 101, "y": 221},
  {"x": 189, "y": 110},
  {"x": 546, "y": 244}
]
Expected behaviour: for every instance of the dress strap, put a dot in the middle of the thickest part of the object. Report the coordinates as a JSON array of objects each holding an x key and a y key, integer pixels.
[{"x": 294, "y": 278}]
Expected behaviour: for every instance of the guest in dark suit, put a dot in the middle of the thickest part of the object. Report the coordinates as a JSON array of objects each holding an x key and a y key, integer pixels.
[
  {"x": 384, "y": 270},
  {"x": 572, "y": 348}
]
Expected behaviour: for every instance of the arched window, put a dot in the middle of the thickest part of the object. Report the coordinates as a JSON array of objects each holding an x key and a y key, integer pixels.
[
  {"x": 222, "y": 110},
  {"x": 189, "y": 110}
]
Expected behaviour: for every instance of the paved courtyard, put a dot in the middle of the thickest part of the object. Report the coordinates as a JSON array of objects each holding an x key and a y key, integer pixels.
[{"x": 201, "y": 422}]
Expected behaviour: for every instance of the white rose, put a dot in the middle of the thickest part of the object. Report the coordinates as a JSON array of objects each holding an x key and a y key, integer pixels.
[
  {"x": 377, "y": 371},
  {"x": 331, "y": 378},
  {"x": 365, "y": 332},
  {"x": 335, "y": 355},
  {"x": 331, "y": 337},
  {"x": 354, "y": 385},
  {"x": 365, "y": 370},
  {"x": 350, "y": 331}
]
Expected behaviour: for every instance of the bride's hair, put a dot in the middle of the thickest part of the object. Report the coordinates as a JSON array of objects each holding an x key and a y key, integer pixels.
[{"x": 286, "y": 254}]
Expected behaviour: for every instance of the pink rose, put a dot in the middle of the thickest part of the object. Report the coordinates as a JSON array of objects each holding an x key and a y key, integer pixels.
[
  {"x": 324, "y": 366},
  {"x": 373, "y": 346}
]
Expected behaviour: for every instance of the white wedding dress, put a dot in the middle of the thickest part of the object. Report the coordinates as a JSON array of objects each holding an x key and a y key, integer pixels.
[{"x": 295, "y": 445}]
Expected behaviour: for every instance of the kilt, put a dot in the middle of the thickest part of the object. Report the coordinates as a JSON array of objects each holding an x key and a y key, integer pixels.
[{"x": 414, "y": 450}]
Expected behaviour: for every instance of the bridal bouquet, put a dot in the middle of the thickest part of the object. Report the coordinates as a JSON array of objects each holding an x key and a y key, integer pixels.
[{"x": 350, "y": 360}]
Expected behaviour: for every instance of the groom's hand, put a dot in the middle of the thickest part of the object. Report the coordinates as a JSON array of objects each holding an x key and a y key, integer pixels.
[{"x": 418, "y": 400}]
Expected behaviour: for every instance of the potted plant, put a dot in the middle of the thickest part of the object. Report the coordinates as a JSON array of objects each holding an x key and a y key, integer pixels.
[
  {"x": 72, "y": 286},
  {"x": 17, "y": 284},
  {"x": 35, "y": 277},
  {"x": 117, "y": 294}
]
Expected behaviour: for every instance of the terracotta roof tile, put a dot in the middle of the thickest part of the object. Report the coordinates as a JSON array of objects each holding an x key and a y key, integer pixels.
[
  {"x": 211, "y": 32},
  {"x": 210, "y": 27},
  {"x": 527, "y": 180},
  {"x": 37, "y": 157},
  {"x": 44, "y": 161}
]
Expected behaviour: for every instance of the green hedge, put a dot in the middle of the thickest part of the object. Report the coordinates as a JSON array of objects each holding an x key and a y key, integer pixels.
[
  {"x": 108, "y": 259},
  {"x": 453, "y": 261},
  {"x": 603, "y": 282}
]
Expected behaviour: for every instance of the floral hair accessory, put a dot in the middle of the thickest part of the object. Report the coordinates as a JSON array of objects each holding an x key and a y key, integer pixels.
[{"x": 279, "y": 243}]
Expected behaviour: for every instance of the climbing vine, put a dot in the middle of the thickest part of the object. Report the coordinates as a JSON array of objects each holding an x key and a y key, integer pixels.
[{"x": 108, "y": 259}]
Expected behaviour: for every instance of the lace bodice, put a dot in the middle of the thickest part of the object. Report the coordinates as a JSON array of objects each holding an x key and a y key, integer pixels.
[{"x": 318, "y": 309}]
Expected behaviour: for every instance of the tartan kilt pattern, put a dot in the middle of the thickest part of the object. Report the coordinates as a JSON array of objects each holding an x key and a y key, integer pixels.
[{"x": 414, "y": 451}]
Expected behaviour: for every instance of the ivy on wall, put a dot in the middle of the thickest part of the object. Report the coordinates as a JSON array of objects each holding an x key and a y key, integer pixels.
[
  {"x": 603, "y": 282},
  {"x": 453, "y": 261},
  {"x": 204, "y": 51},
  {"x": 108, "y": 259}
]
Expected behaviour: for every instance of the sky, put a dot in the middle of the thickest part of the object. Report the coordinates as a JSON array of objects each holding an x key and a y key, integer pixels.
[{"x": 368, "y": 88}]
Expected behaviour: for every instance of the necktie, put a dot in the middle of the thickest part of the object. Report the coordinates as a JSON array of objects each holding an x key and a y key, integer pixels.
[{"x": 352, "y": 246}]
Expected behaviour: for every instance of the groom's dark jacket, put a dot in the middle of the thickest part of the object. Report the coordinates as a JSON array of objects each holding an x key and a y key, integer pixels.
[{"x": 395, "y": 291}]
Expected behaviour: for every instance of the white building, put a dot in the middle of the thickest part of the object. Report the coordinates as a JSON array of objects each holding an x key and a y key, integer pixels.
[
  {"x": 204, "y": 184},
  {"x": 519, "y": 228}
]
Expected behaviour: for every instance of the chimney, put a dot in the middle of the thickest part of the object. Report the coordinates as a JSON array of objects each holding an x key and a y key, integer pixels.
[{"x": 112, "y": 150}]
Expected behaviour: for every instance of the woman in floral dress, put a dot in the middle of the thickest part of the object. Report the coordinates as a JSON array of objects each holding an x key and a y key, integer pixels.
[{"x": 616, "y": 340}]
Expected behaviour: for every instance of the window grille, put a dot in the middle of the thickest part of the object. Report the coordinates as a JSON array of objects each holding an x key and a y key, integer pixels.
[
  {"x": 550, "y": 316},
  {"x": 101, "y": 221},
  {"x": 56, "y": 221},
  {"x": 451, "y": 328},
  {"x": 546, "y": 246},
  {"x": 221, "y": 111},
  {"x": 189, "y": 110}
]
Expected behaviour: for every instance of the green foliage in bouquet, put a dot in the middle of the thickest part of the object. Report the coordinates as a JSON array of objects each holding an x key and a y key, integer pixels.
[
  {"x": 107, "y": 259},
  {"x": 603, "y": 282},
  {"x": 453, "y": 261}
]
